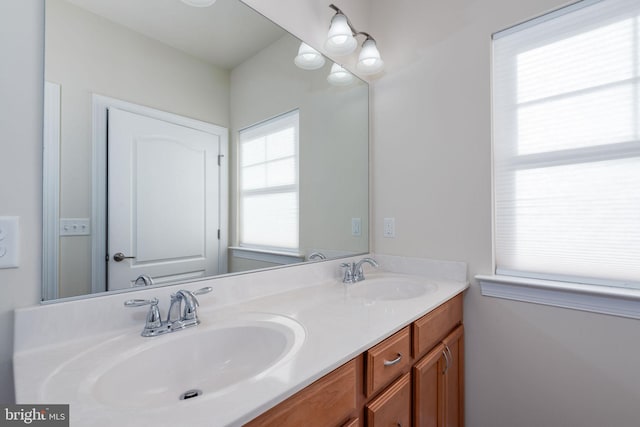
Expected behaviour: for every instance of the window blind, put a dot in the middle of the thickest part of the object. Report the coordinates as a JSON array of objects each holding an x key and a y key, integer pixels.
[
  {"x": 566, "y": 142},
  {"x": 268, "y": 196}
]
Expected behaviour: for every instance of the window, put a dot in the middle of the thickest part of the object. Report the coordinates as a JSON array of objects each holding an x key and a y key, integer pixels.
[
  {"x": 268, "y": 175},
  {"x": 566, "y": 120}
]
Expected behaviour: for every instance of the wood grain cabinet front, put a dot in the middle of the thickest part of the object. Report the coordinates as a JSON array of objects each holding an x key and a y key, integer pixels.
[
  {"x": 387, "y": 361},
  {"x": 393, "y": 406},
  {"x": 438, "y": 392},
  {"x": 431, "y": 328},
  {"x": 327, "y": 402},
  {"x": 353, "y": 423}
]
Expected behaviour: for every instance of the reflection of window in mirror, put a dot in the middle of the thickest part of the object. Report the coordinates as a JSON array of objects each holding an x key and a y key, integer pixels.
[{"x": 268, "y": 190}]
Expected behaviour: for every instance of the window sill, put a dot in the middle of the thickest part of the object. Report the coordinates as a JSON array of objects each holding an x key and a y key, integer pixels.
[
  {"x": 275, "y": 257},
  {"x": 596, "y": 299}
]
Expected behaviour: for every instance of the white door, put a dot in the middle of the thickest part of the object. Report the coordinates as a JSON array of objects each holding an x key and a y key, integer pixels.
[{"x": 163, "y": 196}]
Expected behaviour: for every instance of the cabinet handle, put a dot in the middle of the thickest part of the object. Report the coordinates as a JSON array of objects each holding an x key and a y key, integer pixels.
[
  {"x": 450, "y": 354},
  {"x": 394, "y": 361},
  {"x": 445, "y": 353}
]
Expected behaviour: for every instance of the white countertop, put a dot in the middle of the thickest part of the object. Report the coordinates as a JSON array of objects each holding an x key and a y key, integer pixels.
[{"x": 338, "y": 328}]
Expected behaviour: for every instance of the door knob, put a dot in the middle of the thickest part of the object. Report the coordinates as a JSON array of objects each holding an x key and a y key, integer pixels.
[{"x": 117, "y": 257}]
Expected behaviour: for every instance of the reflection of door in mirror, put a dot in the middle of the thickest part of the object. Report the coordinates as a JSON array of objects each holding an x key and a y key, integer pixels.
[{"x": 163, "y": 201}]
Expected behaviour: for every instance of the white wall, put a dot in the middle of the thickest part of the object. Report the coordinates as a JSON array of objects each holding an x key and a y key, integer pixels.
[
  {"x": 21, "y": 43},
  {"x": 526, "y": 365},
  {"x": 89, "y": 54}
]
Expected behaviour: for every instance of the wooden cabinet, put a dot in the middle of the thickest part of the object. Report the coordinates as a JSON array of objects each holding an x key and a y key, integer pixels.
[
  {"x": 431, "y": 328},
  {"x": 387, "y": 361},
  {"x": 414, "y": 377},
  {"x": 353, "y": 423},
  {"x": 438, "y": 384},
  {"x": 327, "y": 402},
  {"x": 393, "y": 406}
]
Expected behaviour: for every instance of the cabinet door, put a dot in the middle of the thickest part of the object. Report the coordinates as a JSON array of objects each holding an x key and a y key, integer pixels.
[
  {"x": 454, "y": 379},
  {"x": 428, "y": 389},
  {"x": 393, "y": 406},
  {"x": 438, "y": 384}
]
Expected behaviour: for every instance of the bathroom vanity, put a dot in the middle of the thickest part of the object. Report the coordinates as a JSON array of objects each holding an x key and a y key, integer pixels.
[
  {"x": 418, "y": 373},
  {"x": 283, "y": 347}
]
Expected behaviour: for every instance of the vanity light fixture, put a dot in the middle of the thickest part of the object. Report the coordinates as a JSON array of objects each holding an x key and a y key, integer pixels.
[
  {"x": 339, "y": 76},
  {"x": 308, "y": 58},
  {"x": 199, "y": 3},
  {"x": 341, "y": 40}
]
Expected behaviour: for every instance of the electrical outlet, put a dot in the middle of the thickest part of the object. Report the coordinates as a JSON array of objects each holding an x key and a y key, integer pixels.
[
  {"x": 389, "y": 227},
  {"x": 9, "y": 238},
  {"x": 356, "y": 227}
]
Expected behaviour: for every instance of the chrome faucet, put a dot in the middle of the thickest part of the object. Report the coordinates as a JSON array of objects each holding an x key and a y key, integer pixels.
[
  {"x": 188, "y": 316},
  {"x": 354, "y": 272},
  {"x": 183, "y": 312},
  {"x": 318, "y": 255}
]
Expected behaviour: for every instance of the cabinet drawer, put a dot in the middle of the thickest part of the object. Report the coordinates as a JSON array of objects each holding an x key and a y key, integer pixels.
[
  {"x": 327, "y": 402},
  {"x": 393, "y": 406},
  {"x": 430, "y": 329},
  {"x": 387, "y": 360}
]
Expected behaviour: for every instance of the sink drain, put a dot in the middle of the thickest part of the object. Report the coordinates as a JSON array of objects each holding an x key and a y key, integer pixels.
[{"x": 190, "y": 394}]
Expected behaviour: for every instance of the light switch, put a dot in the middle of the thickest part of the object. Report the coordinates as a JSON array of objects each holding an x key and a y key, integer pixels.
[{"x": 9, "y": 238}]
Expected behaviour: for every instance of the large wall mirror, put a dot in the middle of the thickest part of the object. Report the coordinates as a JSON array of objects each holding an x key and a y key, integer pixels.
[{"x": 183, "y": 142}]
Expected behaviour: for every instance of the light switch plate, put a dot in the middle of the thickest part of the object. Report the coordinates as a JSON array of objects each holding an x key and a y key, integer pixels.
[
  {"x": 75, "y": 227},
  {"x": 9, "y": 238}
]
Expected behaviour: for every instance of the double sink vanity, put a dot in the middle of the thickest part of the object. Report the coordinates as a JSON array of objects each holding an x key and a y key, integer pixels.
[{"x": 285, "y": 347}]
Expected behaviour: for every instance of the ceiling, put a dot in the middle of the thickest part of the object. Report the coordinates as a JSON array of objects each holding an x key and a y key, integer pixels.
[{"x": 224, "y": 34}]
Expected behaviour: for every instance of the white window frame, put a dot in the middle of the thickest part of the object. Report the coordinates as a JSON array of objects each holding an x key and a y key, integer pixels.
[
  {"x": 295, "y": 187},
  {"x": 597, "y": 296}
]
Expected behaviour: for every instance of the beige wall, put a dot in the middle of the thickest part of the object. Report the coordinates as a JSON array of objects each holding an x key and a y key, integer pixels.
[{"x": 88, "y": 54}]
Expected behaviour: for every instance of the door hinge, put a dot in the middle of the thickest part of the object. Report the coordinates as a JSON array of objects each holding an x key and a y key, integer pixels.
[
  {"x": 220, "y": 156},
  {"x": 218, "y": 234}
]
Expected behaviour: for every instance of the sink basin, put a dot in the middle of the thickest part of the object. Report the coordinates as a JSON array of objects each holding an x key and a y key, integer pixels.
[
  {"x": 183, "y": 366},
  {"x": 392, "y": 287}
]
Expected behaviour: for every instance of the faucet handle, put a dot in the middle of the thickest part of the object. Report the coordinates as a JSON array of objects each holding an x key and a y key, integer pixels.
[
  {"x": 201, "y": 291},
  {"x": 348, "y": 272},
  {"x": 140, "y": 302},
  {"x": 153, "y": 316}
]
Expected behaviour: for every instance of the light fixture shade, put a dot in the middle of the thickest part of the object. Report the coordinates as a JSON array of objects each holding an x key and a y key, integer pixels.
[
  {"x": 199, "y": 3},
  {"x": 339, "y": 76},
  {"x": 340, "y": 40},
  {"x": 369, "y": 61},
  {"x": 308, "y": 58}
]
